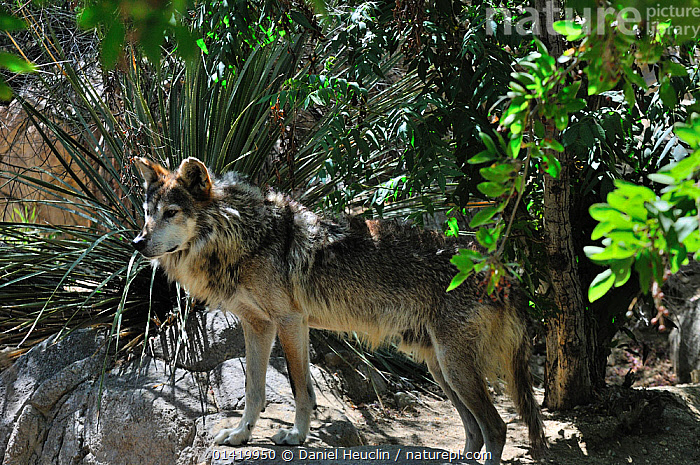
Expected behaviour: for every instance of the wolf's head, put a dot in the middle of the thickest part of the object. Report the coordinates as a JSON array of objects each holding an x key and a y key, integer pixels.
[{"x": 172, "y": 200}]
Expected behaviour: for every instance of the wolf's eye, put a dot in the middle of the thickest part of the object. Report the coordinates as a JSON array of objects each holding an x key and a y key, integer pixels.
[{"x": 167, "y": 214}]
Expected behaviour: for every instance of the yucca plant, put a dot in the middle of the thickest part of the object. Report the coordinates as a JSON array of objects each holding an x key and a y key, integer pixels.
[
  {"x": 59, "y": 277},
  {"x": 55, "y": 278}
]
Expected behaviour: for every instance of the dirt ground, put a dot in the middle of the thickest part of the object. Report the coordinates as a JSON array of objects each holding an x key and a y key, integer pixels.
[
  {"x": 639, "y": 425},
  {"x": 643, "y": 426}
]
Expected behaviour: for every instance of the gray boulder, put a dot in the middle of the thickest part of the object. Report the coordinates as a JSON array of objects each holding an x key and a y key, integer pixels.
[
  {"x": 163, "y": 409},
  {"x": 683, "y": 299}
]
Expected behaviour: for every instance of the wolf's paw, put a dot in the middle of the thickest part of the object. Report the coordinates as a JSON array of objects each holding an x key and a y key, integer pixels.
[
  {"x": 233, "y": 436},
  {"x": 290, "y": 437}
]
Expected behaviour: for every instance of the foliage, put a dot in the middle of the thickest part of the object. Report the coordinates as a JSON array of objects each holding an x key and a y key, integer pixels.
[
  {"x": 535, "y": 96},
  {"x": 399, "y": 119},
  {"x": 400, "y": 108},
  {"x": 59, "y": 277},
  {"x": 654, "y": 233},
  {"x": 542, "y": 97},
  {"x": 9, "y": 61},
  {"x": 148, "y": 24}
]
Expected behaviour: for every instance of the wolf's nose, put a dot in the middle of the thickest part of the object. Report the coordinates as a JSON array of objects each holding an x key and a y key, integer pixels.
[{"x": 139, "y": 243}]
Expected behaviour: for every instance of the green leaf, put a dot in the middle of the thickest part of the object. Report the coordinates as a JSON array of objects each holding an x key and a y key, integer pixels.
[
  {"x": 515, "y": 112},
  {"x": 514, "y": 144},
  {"x": 483, "y": 216},
  {"x": 572, "y": 30},
  {"x": 622, "y": 271},
  {"x": 643, "y": 268},
  {"x": 457, "y": 280},
  {"x": 631, "y": 205},
  {"x": 685, "y": 226},
  {"x": 634, "y": 77},
  {"x": 113, "y": 44},
  {"x": 452, "y": 227},
  {"x": 152, "y": 39},
  {"x": 675, "y": 69},
  {"x": 552, "y": 144},
  {"x": 301, "y": 19},
  {"x": 627, "y": 238},
  {"x": 600, "y": 285},
  {"x": 202, "y": 46},
  {"x": 552, "y": 164},
  {"x": 692, "y": 243},
  {"x": 568, "y": 94},
  {"x": 473, "y": 254},
  {"x": 690, "y": 134},
  {"x": 524, "y": 78},
  {"x": 601, "y": 229},
  {"x": 462, "y": 262},
  {"x": 9, "y": 23},
  {"x": 492, "y": 189},
  {"x": 604, "y": 212},
  {"x": 487, "y": 238},
  {"x": 575, "y": 105},
  {"x": 481, "y": 157},
  {"x": 662, "y": 178},
  {"x": 5, "y": 91},
  {"x": 15, "y": 64},
  {"x": 668, "y": 94},
  {"x": 685, "y": 168},
  {"x": 497, "y": 172},
  {"x": 187, "y": 45},
  {"x": 679, "y": 257},
  {"x": 561, "y": 120},
  {"x": 90, "y": 17},
  {"x": 632, "y": 190},
  {"x": 488, "y": 142},
  {"x": 612, "y": 252}
]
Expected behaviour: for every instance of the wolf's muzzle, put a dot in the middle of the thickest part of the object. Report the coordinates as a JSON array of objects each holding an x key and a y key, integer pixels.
[{"x": 139, "y": 243}]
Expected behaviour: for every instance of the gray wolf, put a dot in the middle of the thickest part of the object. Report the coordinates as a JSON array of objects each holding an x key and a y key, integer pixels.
[{"x": 282, "y": 269}]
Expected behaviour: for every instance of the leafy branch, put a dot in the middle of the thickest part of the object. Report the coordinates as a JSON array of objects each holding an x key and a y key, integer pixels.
[{"x": 538, "y": 99}]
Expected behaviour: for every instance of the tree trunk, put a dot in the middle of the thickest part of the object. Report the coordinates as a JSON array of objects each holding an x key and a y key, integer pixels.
[
  {"x": 570, "y": 343},
  {"x": 570, "y": 338}
]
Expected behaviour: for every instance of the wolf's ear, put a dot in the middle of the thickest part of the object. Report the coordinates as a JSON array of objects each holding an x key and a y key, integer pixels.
[
  {"x": 194, "y": 176},
  {"x": 150, "y": 172}
]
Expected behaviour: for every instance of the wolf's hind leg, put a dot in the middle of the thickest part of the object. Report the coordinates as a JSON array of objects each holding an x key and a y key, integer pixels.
[
  {"x": 258, "y": 344},
  {"x": 475, "y": 441},
  {"x": 294, "y": 338},
  {"x": 464, "y": 377}
]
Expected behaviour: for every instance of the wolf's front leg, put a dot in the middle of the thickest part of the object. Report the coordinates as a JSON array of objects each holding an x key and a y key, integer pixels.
[
  {"x": 294, "y": 338},
  {"x": 258, "y": 343}
]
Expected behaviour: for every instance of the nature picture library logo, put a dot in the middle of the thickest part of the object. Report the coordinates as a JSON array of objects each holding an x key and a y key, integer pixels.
[{"x": 682, "y": 17}]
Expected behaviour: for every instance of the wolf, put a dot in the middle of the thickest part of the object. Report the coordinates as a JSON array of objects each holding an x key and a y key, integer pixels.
[{"x": 282, "y": 269}]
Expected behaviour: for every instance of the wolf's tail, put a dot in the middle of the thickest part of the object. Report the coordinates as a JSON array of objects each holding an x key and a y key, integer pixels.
[
  {"x": 505, "y": 352},
  {"x": 520, "y": 390}
]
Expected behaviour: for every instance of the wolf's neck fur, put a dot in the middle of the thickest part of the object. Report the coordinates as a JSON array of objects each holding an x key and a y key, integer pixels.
[{"x": 230, "y": 227}]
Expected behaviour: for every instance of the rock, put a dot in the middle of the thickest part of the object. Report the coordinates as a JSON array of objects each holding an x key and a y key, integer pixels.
[
  {"x": 211, "y": 338},
  {"x": 229, "y": 384},
  {"x": 149, "y": 411},
  {"x": 5, "y": 360},
  {"x": 683, "y": 299},
  {"x": 333, "y": 360},
  {"x": 24, "y": 445},
  {"x": 405, "y": 400},
  {"x": 19, "y": 382}
]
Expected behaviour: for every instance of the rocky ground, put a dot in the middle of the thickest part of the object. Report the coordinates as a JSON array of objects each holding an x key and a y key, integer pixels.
[
  {"x": 644, "y": 426},
  {"x": 165, "y": 410}
]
